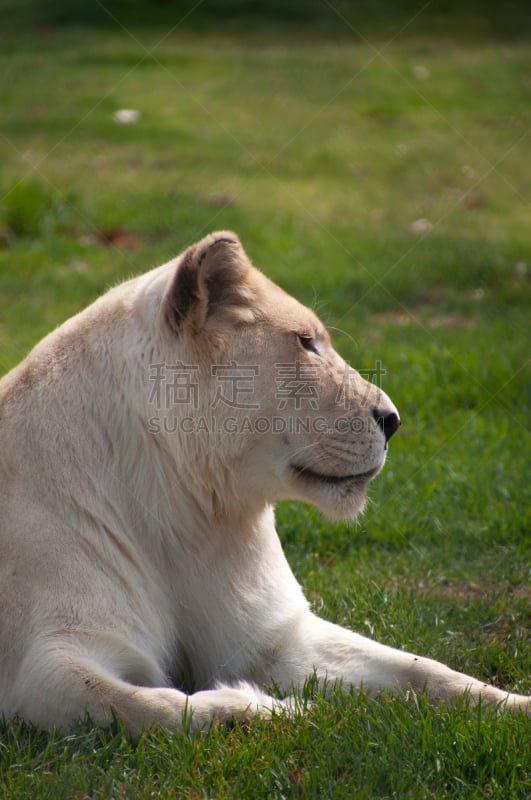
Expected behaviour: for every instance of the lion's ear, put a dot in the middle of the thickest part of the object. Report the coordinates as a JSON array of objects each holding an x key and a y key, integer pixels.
[{"x": 210, "y": 280}]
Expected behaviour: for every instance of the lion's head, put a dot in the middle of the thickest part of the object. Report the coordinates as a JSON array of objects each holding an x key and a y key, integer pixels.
[{"x": 260, "y": 396}]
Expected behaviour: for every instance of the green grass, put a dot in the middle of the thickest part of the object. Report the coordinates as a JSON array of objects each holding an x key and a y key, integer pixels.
[
  {"x": 320, "y": 138},
  {"x": 345, "y": 747}
]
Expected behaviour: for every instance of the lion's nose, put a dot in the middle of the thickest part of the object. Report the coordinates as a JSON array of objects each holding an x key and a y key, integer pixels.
[{"x": 388, "y": 421}]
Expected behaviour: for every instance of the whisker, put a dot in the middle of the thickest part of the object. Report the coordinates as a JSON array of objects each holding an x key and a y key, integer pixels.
[
  {"x": 306, "y": 447},
  {"x": 344, "y": 333}
]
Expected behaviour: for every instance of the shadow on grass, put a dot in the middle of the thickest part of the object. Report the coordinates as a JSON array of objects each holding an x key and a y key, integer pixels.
[{"x": 342, "y": 18}]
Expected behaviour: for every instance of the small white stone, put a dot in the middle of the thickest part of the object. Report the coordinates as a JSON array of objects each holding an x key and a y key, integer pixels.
[
  {"x": 126, "y": 116},
  {"x": 421, "y": 226}
]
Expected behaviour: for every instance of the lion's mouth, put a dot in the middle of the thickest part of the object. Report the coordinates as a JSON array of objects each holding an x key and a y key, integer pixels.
[{"x": 334, "y": 480}]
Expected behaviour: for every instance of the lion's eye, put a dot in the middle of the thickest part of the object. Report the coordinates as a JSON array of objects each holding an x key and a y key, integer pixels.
[{"x": 308, "y": 342}]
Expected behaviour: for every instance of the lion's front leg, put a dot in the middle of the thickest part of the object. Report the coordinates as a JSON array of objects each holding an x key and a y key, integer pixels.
[{"x": 335, "y": 653}]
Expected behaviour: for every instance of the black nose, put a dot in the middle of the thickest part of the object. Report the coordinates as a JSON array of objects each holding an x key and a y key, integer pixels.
[{"x": 388, "y": 421}]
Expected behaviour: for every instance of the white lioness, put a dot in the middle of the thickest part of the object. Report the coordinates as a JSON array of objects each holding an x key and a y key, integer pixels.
[{"x": 142, "y": 445}]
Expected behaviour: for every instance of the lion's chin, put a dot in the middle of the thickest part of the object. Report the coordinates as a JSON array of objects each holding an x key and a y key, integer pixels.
[
  {"x": 338, "y": 502},
  {"x": 344, "y": 507},
  {"x": 339, "y": 497}
]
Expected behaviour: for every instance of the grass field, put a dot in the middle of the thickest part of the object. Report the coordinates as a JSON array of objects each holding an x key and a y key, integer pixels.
[{"x": 375, "y": 159}]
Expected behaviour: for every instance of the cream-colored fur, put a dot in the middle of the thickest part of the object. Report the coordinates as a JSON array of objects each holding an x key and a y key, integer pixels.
[{"x": 140, "y": 569}]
